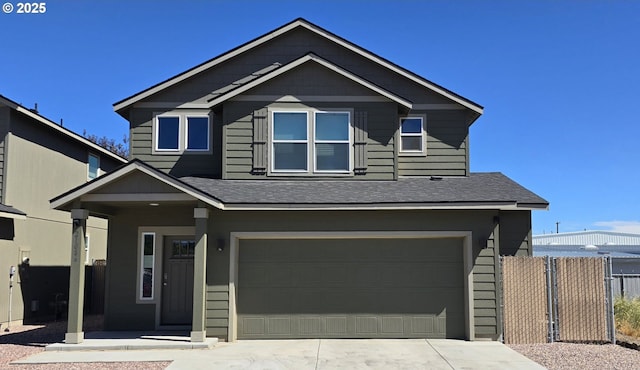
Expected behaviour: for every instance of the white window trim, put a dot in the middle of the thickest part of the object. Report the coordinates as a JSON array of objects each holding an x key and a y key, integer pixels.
[
  {"x": 311, "y": 143},
  {"x": 186, "y": 132},
  {"x": 422, "y": 135},
  {"x": 141, "y": 297},
  {"x": 274, "y": 141},
  {"x": 158, "y": 248},
  {"x": 349, "y": 142},
  {"x": 156, "y": 133},
  {"x": 87, "y": 249},
  {"x": 183, "y": 136},
  {"x": 89, "y": 166}
]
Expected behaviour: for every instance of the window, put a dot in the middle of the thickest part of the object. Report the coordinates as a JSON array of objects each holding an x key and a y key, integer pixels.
[
  {"x": 290, "y": 141},
  {"x": 332, "y": 141},
  {"x": 93, "y": 166},
  {"x": 184, "y": 132},
  {"x": 147, "y": 263},
  {"x": 412, "y": 135},
  {"x": 168, "y": 133},
  {"x": 197, "y": 133},
  {"x": 87, "y": 260},
  {"x": 183, "y": 249},
  {"x": 322, "y": 136}
]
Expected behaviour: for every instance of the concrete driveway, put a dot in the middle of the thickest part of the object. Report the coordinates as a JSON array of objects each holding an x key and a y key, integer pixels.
[{"x": 318, "y": 354}]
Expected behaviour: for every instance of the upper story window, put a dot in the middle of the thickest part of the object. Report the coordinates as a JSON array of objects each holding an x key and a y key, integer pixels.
[
  {"x": 311, "y": 142},
  {"x": 186, "y": 132},
  {"x": 93, "y": 166},
  {"x": 168, "y": 133},
  {"x": 412, "y": 136}
]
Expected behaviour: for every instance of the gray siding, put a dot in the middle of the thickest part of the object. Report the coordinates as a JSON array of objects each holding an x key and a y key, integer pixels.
[
  {"x": 447, "y": 142},
  {"x": 238, "y": 134},
  {"x": 188, "y": 164},
  {"x": 447, "y": 150},
  {"x": 284, "y": 49},
  {"x": 122, "y": 309}
]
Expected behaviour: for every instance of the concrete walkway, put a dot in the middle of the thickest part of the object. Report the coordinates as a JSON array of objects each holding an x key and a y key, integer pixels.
[
  {"x": 115, "y": 341},
  {"x": 316, "y": 354}
]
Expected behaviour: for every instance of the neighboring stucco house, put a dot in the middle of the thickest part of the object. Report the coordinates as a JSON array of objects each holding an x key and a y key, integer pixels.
[
  {"x": 300, "y": 186},
  {"x": 38, "y": 160}
]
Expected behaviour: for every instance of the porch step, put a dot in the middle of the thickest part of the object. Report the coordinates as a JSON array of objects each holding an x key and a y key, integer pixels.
[{"x": 119, "y": 341}]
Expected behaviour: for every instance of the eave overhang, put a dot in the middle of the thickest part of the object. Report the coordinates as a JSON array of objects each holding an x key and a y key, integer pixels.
[
  {"x": 85, "y": 193},
  {"x": 121, "y": 106},
  {"x": 72, "y": 135}
]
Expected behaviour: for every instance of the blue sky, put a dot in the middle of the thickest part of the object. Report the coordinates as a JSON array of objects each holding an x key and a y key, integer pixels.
[{"x": 559, "y": 80}]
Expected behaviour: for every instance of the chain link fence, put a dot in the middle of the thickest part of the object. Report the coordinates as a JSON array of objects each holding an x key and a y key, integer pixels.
[{"x": 557, "y": 299}]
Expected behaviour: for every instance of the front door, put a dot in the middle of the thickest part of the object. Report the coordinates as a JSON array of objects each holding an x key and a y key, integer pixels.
[{"x": 177, "y": 283}]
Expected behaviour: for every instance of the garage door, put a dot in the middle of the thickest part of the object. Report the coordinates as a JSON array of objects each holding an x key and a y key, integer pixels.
[{"x": 355, "y": 288}]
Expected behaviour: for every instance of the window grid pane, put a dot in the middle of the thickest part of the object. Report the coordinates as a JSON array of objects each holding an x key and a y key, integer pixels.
[
  {"x": 148, "y": 254},
  {"x": 168, "y": 133},
  {"x": 197, "y": 133},
  {"x": 94, "y": 164},
  {"x": 290, "y": 126},
  {"x": 332, "y": 126},
  {"x": 411, "y": 126},
  {"x": 290, "y": 156}
]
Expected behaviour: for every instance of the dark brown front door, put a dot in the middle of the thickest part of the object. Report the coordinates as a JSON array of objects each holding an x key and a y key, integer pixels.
[{"x": 177, "y": 283}]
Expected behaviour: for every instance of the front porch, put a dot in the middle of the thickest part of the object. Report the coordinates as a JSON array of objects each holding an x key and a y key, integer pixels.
[{"x": 157, "y": 208}]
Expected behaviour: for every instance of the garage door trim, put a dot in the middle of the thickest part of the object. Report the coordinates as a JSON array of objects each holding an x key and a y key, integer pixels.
[{"x": 466, "y": 237}]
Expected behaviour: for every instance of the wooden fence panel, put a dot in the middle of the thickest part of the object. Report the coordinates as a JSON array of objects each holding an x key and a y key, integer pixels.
[
  {"x": 581, "y": 299},
  {"x": 525, "y": 300}
]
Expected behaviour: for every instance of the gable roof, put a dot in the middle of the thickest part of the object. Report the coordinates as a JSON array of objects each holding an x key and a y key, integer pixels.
[
  {"x": 64, "y": 131},
  {"x": 64, "y": 200},
  {"x": 477, "y": 191},
  {"x": 300, "y": 22},
  {"x": 251, "y": 82}
]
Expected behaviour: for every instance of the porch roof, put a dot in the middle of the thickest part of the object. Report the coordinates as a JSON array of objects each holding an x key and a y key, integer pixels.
[
  {"x": 490, "y": 190},
  {"x": 10, "y": 212}
]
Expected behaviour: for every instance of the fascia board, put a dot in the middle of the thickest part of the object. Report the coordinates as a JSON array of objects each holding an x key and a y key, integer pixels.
[
  {"x": 299, "y": 62},
  {"x": 19, "y": 108},
  {"x": 78, "y": 193},
  {"x": 14, "y": 216},
  {"x": 260, "y": 40}
]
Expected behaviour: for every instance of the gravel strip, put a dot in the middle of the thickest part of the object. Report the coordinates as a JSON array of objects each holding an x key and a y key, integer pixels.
[
  {"x": 26, "y": 340},
  {"x": 561, "y": 356}
]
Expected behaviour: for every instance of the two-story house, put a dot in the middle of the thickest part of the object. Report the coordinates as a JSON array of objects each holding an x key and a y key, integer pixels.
[
  {"x": 38, "y": 160},
  {"x": 300, "y": 186}
]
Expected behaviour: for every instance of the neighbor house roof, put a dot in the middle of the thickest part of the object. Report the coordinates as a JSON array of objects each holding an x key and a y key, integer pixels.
[
  {"x": 10, "y": 212},
  {"x": 477, "y": 191},
  {"x": 127, "y": 102},
  {"x": 593, "y": 237},
  {"x": 251, "y": 82},
  {"x": 68, "y": 133},
  {"x": 615, "y": 251}
]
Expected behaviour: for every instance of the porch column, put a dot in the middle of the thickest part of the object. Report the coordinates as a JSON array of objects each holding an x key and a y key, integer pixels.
[
  {"x": 74, "y": 333},
  {"x": 199, "y": 330}
]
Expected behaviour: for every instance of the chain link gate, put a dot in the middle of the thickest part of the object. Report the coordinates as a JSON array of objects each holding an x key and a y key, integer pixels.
[{"x": 549, "y": 299}]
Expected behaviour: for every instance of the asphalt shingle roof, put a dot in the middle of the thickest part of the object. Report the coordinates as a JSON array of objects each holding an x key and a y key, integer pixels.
[
  {"x": 9, "y": 209},
  {"x": 490, "y": 187}
]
